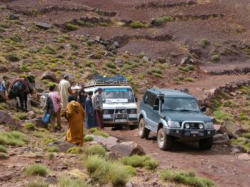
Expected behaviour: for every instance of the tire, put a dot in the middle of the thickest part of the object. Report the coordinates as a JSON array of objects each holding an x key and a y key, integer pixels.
[
  {"x": 164, "y": 141},
  {"x": 205, "y": 144},
  {"x": 142, "y": 130}
]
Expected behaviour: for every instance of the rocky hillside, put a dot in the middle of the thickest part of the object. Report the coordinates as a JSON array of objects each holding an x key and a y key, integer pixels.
[{"x": 201, "y": 45}]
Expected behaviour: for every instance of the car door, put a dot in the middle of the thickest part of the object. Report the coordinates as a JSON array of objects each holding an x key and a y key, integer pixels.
[
  {"x": 147, "y": 109},
  {"x": 155, "y": 115}
]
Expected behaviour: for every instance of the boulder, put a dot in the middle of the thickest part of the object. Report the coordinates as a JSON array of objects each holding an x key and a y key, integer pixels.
[
  {"x": 237, "y": 149},
  {"x": 14, "y": 16},
  {"x": 108, "y": 142},
  {"x": 221, "y": 139},
  {"x": 42, "y": 25},
  {"x": 49, "y": 76},
  {"x": 62, "y": 146},
  {"x": 6, "y": 119},
  {"x": 185, "y": 60},
  {"x": 127, "y": 149},
  {"x": 3, "y": 69},
  {"x": 244, "y": 156},
  {"x": 31, "y": 115},
  {"x": 38, "y": 122}
]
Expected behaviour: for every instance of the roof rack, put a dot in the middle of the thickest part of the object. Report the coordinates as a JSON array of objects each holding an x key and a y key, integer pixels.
[{"x": 99, "y": 80}]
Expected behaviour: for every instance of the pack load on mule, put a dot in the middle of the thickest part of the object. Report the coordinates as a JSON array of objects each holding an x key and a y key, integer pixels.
[{"x": 19, "y": 89}]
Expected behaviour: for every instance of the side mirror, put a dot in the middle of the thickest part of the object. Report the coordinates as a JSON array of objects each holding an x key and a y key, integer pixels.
[
  {"x": 156, "y": 107},
  {"x": 203, "y": 109}
]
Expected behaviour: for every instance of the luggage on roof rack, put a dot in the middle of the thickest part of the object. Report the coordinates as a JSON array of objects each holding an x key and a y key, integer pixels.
[{"x": 99, "y": 80}]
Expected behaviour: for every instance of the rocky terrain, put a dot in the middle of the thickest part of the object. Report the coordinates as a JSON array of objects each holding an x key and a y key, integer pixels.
[{"x": 201, "y": 45}]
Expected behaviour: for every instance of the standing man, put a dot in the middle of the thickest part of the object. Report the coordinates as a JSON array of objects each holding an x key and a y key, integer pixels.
[
  {"x": 65, "y": 91},
  {"x": 56, "y": 100},
  {"x": 4, "y": 86},
  {"x": 89, "y": 111},
  {"x": 98, "y": 106},
  {"x": 82, "y": 98}
]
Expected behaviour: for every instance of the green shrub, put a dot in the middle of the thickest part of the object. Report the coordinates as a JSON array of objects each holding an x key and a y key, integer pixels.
[
  {"x": 36, "y": 169},
  {"x": 131, "y": 170},
  {"x": 71, "y": 27},
  {"x": 186, "y": 68},
  {"x": 189, "y": 79},
  {"x": 75, "y": 150},
  {"x": 66, "y": 182},
  {"x": 204, "y": 42},
  {"x": 49, "y": 50},
  {"x": 118, "y": 174},
  {"x": 95, "y": 150},
  {"x": 151, "y": 164},
  {"x": 101, "y": 133},
  {"x": 88, "y": 138},
  {"x": 242, "y": 142},
  {"x": 16, "y": 38},
  {"x": 244, "y": 117},
  {"x": 161, "y": 20},
  {"x": 215, "y": 57},
  {"x": 12, "y": 57},
  {"x": 221, "y": 116},
  {"x": 37, "y": 184},
  {"x": 92, "y": 130},
  {"x": 111, "y": 65},
  {"x": 3, "y": 149},
  {"x": 185, "y": 178},
  {"x": 51, "y": 156},
  {"x": 52, "y": 149},
  {"x": 22, "y": 116},
  {"x": 29, "y": 126},
  {"x": 3, "y": 155},
  {"x": 137, "y": 24},
  {"x": 140, "y": 161},
  {"x": 98, "y": 168},
  {"x": 246, "y": 135},
  {"x": 13, "y": 138}
]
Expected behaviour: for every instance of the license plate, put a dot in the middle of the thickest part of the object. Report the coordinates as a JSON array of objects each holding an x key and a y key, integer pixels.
[{"x": 194, "y": 132}]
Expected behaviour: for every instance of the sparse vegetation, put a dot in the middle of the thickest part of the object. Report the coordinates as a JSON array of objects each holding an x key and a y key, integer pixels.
[
  {"x": 75, "y": 150},
  {"x": 29, "y": 126},
  {"x": 161, "y": 20},
  {"x": 52, "y": 149},
  {"x": 186, "y": 178},
  {"x": 204, "y": 42},
  {"x": 137, "y": 24},
  {"x": 71, "y": 27},
  {"x": 215, "y": 57},
  {"x": 3, "y": 149},
  {"x": 221, "y": 116},
  {"x": 37, "y": 184},
  {"x": 140, "y": 161},
  {"x": 88, "y": 138},
  {"x": 67, "y": 181},
  {"x": 95, "y": 150},
  {"x": 13, "y": 138},
  {"x": 21, "y": 116},
  {"x": 36, "y": 169}
]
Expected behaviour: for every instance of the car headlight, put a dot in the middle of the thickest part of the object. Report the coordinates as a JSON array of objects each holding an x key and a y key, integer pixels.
[
  {"x": 209, "y": 125},
  {"x": 187, "y": 126},
  {"x": 174, "y": 124},
  {"x": 201, "y": 126}
]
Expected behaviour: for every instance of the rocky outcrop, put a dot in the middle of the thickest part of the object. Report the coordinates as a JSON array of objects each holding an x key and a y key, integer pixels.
[
  {"x": 127, "y": 149},
  {"x": 62, "y": 146},
  {"x": 7, "y": 120},
  {"x": 49, "y": 76}
]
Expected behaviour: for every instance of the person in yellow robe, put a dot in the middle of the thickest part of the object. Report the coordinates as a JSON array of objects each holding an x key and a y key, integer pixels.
[{"x": 75, "y": 116}]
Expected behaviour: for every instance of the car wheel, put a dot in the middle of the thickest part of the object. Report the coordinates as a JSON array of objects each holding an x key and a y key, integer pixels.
[
  {"x": 206, "y": 143},
  {"x": 164, "y": 141},
  {"x": 142, "y": 130}
]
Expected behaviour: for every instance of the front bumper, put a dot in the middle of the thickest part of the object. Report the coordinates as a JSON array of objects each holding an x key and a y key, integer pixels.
[
  {"x": 192, "y": 134},
  {"x": 111, "y": 120}
]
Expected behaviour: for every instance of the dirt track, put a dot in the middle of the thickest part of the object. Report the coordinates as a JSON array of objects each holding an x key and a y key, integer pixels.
[{"x": 218, "y": 163}]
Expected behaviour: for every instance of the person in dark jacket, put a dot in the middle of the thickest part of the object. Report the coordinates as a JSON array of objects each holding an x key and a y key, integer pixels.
[
  {"x": 90, "y": 116},
  {"x": 82, "y": 96}
]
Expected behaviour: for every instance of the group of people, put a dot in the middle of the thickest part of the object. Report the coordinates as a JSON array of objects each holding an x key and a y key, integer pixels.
[{"x": 82, "y": 110}]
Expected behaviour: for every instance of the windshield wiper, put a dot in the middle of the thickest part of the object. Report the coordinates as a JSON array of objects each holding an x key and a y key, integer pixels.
[{"x": 186, "y": 110}]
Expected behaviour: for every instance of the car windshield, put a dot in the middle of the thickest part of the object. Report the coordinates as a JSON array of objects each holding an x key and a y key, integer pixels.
[
  {"x": 180, "y": 104},
  {"x": 123, "y": 94}
]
